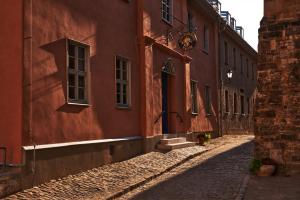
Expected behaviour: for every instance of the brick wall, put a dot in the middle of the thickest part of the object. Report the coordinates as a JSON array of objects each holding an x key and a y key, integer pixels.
[{"x": 277, "y": 115}]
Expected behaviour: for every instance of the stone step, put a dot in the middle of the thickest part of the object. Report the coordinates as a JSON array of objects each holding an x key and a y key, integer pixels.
[
  {"x": 173, "y": 140},
  {"x": 170, "y": 147}
]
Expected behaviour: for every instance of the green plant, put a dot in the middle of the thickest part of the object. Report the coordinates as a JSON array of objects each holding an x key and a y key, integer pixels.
[
  {"x": 207, "y": 137},
  {"x": 255, "y": 165}
]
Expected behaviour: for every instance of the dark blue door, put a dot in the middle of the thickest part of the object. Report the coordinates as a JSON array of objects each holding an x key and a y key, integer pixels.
[{"x": 164, "y": 82}]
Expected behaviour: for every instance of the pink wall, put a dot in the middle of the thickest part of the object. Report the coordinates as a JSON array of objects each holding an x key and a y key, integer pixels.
[
  {"x": 204, "y": 70},
  {"x": 11, "y": 78},
  {"x": 203, "y": 66},
  {"x": 110, "y": 30}
]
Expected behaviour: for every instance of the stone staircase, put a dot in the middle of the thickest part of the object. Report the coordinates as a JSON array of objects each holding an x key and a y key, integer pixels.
[
  {"x": 174, "y": 143},
  {"x": 10, "y": 182}
]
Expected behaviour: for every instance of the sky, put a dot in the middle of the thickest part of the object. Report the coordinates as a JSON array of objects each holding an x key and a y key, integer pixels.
[{"x": 247, "y": 14}]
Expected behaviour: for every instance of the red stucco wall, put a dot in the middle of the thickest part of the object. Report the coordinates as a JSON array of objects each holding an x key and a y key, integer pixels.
[
  {"x": 203, "y": 67},
  {"x": 11, "y": 78},
  {"x": 110, "y": 30},
  {"x": 204, "y": 70}
]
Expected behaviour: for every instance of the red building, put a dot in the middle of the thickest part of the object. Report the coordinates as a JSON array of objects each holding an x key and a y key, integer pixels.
[{"x": 91, "y": 82}]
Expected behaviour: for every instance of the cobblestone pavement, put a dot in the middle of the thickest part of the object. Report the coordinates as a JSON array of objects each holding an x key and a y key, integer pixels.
[
  {"x": 216, "y": 174},
  {"x": 111, "y": 181}
]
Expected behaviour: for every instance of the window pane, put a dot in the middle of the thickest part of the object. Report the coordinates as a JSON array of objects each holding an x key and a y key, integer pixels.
[
  {"x": 81, "y": 93},
  {"x": 124, "y": 89},
  {"x": 71, "y": 50},
  {"x": 124, "y": 75},
  {"x": 118, "y": 87},
  {"x": 124, "y": 99},
  {"x": 71, "y": 80},
  {"x": 81, "y": 52},
  {"x": 81, "y": 81},
  {"x": 118, "y": 74},
  {"x": 118, "y": 98},
  {"x": 71, "y": 62},
  {"x": 81, "y": 64},
  {"x": 71, "y": 92}
]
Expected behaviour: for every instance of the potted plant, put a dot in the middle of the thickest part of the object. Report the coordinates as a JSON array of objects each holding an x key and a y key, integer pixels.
[{"x": 203, "y": 137}]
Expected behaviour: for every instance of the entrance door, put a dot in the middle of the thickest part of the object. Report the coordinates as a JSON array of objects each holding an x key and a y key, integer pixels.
[{"x": 164, "y": 83}]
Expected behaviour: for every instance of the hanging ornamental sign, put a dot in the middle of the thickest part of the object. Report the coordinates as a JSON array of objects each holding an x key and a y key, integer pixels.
[
  {"x": 187, "y": 41},
  {"x": 168, "y": 67}
]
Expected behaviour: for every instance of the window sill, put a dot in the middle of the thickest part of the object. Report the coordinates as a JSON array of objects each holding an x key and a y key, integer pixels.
[
  {"x": 194, "y": 114},
  {"x": 79, "y": 104},
  {"x": 208, "y": 115},
  {"x": 167, "y": 22},
  {"x": 205, "y": 51},
  {"x": 123, "y": 107}
]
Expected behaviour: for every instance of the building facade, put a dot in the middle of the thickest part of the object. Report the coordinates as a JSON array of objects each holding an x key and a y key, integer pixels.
[
  {"x": 97, "y": 82},
  {"x": 277, "y": 108},
  {"x": 238, "y": 80}
]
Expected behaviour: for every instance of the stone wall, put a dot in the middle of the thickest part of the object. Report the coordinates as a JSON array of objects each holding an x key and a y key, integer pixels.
[{"x": 277, "y": 114}]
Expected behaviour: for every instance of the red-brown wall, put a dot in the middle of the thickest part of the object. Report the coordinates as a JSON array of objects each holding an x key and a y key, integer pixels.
[
  {"x": 11, "y": 78},
  {"x": 204, "y": 70},
  {"x": 110, "y": 30}
]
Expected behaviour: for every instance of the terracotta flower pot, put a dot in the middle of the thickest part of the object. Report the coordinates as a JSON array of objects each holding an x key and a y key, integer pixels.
[{"x": 266, "y": 170}]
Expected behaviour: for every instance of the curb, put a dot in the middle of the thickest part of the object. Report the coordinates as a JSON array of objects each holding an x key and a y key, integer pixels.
[{"x": 240, "y": 195}]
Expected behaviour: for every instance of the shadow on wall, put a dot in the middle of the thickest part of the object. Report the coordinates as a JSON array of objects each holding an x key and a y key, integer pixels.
[{"x": 57, "y": 79}]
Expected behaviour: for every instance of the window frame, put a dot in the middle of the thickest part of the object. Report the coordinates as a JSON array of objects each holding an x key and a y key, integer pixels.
[
  {"x": 247, "y": 67},
  {"x": 170, "y": 14},
  {"x": 205, "y": 38},
  {"x": 76, "y": 72},
  {"x": 226, "y": 96},
  {"x": 226, "y": 54},
  {"x": 234, "y": 58},
  {"x": 235, "y": 106},
  {"x": 123, "y": 82},
  {"x": 242, "y": 104},
  {"x": 194, "y": 97},
  {"x": 207, "y": 103},
  {"x": 242, "y": 63}
]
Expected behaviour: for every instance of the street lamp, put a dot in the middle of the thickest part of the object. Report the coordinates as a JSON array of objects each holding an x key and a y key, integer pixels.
[{"x": 229, "y": 74}]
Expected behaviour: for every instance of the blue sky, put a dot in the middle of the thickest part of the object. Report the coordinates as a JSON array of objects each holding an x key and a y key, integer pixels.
[{"x": 248, "y": 14}]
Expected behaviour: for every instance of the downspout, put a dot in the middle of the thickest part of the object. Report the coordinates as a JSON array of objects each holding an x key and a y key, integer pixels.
[
  {"x": 220, "y": 79},
  {"x": 141, "y": 63},
  {"x": 27, "y": 81}
]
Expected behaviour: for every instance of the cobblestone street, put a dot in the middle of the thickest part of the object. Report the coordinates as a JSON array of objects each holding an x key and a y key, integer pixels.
[
  {"x": 217, "y": 174},
  {"x": 215, "y": 171}
]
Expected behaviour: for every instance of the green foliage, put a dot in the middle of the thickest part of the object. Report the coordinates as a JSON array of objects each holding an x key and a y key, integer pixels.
[
  {"x": 207, "y": 137},
  {"x": 255, "y": 165}
]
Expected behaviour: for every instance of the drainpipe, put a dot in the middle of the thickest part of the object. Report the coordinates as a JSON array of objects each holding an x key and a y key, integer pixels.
[
  {"x": 220, "y": 78},
  {"x": 27, "y": 82}
]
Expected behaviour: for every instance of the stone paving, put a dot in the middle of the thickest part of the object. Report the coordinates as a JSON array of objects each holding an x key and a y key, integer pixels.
[
  {"x": 218, "y": 174},
  {"x": 111, "y": 181},
  {"x": 273, "y": 188}
]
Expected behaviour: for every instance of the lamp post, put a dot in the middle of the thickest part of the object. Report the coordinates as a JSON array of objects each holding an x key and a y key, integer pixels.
[{"x": 229, "y": 74}]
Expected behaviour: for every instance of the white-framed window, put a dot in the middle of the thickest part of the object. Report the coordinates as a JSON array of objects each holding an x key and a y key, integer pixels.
[
  {"x": 247, "y": 67},
  {"x": 226, "y": 59},
  {"x": 206, "y": 38},
  {"x": 226, "y": 101},
  {"x": 235, "y": 106},
  {"x": 123, "y": 82},
  {"x": 234, "y": 58},
  {"x": 191, "y": 27},
  {"x": 77, "y": 72},
  {"x": 242, "y": 63},
  {"x": 167, "y": 9},
  {"x": 207, "y": 93},
  {"x": 194, "y": 89},
  {"x": 242, "y": 104}
]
